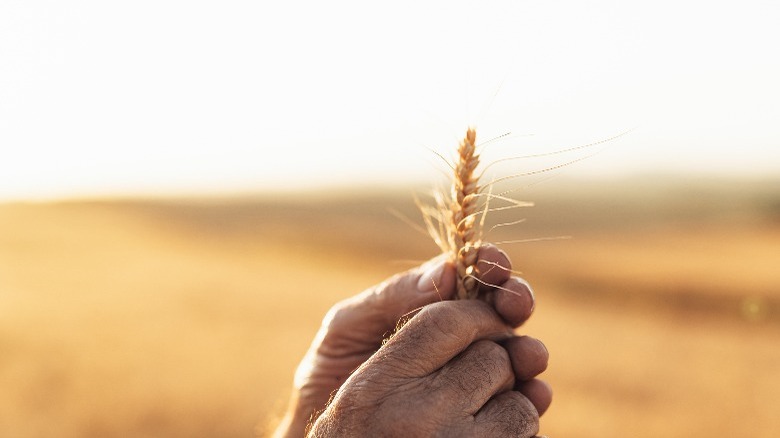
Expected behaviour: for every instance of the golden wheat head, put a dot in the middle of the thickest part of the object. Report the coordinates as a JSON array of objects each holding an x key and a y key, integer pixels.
[
  {"x": 463, "y": 210},
  {"x": 452, "y": 222}
]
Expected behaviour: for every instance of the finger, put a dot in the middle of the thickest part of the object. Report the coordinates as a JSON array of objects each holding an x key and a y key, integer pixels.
[
  {"x": 507, "y": 414},
  {"x": 493, "y": 266},
  {"x": 475, "y": 375},
  {"x": 374, "y": 313},
  {"x": 538, "y": 392},
  {"x": 528, "y": 355},
  {"x": 514, "y": 301},
  {"x": 512, "y": 296},
  {"x": 438, "y": 333}
]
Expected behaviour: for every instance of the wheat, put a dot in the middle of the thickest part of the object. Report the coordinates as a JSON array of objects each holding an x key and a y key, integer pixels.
[
  {"x": 452, "y": 222},
  {"x": 463, "y": 211}
]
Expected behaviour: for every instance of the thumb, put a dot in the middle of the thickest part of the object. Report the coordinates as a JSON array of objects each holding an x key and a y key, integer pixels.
[{"x": 372, "y": 314}]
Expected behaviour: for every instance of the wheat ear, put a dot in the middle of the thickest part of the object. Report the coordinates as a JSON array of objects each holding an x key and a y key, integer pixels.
[
  {"x": 463, "y": 209},
  {"x": 452, "y": 221}
]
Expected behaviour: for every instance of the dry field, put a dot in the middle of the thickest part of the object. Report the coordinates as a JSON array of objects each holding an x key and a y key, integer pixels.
[{"x": 185, "y": 318}]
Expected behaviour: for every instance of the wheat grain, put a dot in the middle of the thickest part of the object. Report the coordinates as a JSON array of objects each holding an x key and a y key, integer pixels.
[
  {"x": 463, "y": 210},
  {"x": 452, "y": 221}
]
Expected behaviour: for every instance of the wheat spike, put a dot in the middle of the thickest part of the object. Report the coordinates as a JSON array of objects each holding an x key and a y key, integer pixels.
[
  {"x": 453, "y": 223},
  {"x": 463, "y": 208}
]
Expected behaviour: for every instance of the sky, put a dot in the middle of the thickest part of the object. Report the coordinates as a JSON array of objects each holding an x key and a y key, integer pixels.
[{"x": 192, "y": 97}]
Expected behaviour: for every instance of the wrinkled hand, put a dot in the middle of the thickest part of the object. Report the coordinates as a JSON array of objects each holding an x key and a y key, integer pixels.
[{"x": 454, "y": 369}]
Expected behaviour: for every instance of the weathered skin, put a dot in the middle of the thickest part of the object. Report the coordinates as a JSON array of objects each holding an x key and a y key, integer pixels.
[{"x": 454, "y": 369}]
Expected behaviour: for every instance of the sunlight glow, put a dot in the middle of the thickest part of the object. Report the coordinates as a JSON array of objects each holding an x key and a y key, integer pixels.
[{"x": 151, "y": 97}]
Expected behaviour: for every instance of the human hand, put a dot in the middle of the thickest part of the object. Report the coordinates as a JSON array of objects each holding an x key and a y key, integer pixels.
[
  {"x": 355, "y": 328},
  {"x": 443, "y": 374}
]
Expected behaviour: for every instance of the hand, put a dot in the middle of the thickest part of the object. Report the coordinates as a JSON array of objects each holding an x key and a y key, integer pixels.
[{"x": 354, "y": 330}]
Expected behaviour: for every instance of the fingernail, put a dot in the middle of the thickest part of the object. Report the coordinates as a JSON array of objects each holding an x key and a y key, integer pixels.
[
  {"x": 431, "y": 279},
  {"x": 531, "y": 291}
]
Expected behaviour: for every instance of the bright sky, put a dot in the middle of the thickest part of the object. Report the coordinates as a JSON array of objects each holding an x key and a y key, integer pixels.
[{"x": 153, "y": 97}]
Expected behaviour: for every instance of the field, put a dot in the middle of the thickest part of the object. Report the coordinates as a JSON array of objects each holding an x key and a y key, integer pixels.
[{"x": 186, "y": 317}]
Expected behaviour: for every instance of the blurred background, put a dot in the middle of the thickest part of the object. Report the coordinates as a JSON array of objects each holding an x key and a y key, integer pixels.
[{"x": 187, "y": 187}]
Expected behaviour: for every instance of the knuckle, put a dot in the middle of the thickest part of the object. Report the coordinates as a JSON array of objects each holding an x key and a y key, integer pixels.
[
  {"x": 441, "y": 317},
  {"x": 337, "y": 315},
  {"x": 492, "y": 356},
  {"x": 490, "y": 363},
  {"x": 492, "y": 352},
  {"x": 483, "y": 364},
  {"x": 461, "y": 317},
  {"x": 516, "y": 416}
]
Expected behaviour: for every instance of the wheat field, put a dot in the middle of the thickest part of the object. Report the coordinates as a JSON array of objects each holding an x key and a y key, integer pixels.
[{"x": 186, "y": 317}]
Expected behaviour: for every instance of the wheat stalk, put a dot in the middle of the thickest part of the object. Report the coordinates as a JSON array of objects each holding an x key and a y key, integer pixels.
[
  {"x": 452, "y": 222},
  {"x": 463, "y": 212},
  {"x": 456, "y": 221}
]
